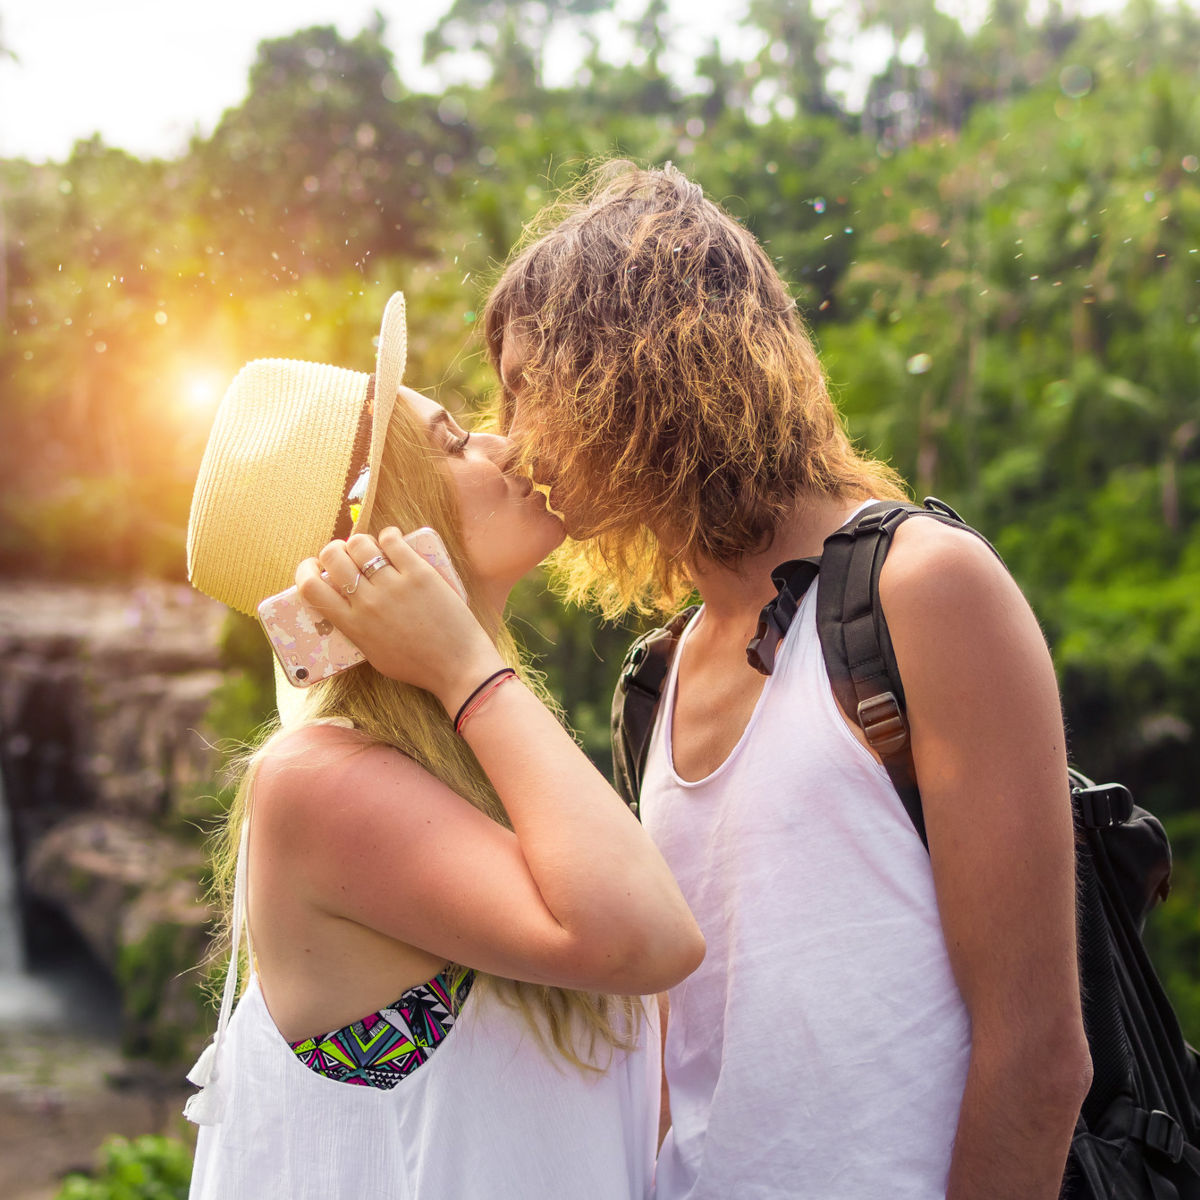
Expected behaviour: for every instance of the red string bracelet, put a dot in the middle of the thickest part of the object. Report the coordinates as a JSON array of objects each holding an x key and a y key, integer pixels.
[{"x": 475, "y": 700}]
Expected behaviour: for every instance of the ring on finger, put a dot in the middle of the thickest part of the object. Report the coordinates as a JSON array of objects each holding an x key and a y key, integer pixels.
[
  {"x": 351, "y": 588},
  {"x": 372, "y": 565}
]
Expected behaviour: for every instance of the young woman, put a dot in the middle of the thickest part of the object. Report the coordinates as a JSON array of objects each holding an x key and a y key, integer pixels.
[{"x": 450, "y": 914}]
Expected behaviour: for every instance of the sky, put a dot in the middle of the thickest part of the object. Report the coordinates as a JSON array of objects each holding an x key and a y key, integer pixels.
[{"x": 149, "y": 74}]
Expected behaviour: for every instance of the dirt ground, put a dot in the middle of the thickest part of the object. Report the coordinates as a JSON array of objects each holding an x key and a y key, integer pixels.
[{"x": 62, "y": 1096}]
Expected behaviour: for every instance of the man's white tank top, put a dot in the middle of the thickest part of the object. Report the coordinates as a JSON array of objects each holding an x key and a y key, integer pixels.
[
  {"x": 820, "y": 1051},
  {"x": 490, "y": 1114}
]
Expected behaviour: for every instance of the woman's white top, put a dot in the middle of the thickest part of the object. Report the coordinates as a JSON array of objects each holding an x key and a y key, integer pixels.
[
  {"x": 489, "y": 1114},
  {"x": 820, "y": 1051}
]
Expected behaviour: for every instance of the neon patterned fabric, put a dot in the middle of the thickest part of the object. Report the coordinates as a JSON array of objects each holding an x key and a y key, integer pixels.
[{"x": 380, "y": 1050}]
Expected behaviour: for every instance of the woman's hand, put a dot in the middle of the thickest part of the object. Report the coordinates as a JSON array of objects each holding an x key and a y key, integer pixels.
[{"x": 404, "y": 617}]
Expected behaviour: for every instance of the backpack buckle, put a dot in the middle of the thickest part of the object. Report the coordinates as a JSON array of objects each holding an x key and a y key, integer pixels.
[
  {"x": 1104, "y": 804},
  {"x": 640, "y": 670},
  {"x": 883, "y": 724},
  {"x": 934, "y": 505},
  {"x": 791, "y": 580},
  {"x": 633, "y": 660},
  {"x": 1161, "y": 1132},
  {"x": 760, "y": 649}
]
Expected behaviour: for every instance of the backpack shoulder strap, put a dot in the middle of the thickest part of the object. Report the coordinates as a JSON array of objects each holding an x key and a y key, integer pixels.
[
  {"x": 854, "y": 636},
  {"x": 854, "y": 641},
  {"x": 635, "y": 702}
]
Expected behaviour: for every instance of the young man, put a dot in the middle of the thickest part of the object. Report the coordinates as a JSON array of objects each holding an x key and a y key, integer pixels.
[{"x": 871, "y": 1020}]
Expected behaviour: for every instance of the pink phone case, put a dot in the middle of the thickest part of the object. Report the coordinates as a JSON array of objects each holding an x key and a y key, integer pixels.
[{"x": 308, "y": 646}]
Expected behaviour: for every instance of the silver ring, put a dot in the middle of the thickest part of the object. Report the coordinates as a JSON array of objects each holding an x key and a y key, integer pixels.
[
  {"x": 351, "y": 588},
  {"x": 372, "y": 565}
]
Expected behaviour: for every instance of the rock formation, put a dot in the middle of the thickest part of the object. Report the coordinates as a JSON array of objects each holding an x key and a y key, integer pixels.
[{"x": 103, "y": 695}]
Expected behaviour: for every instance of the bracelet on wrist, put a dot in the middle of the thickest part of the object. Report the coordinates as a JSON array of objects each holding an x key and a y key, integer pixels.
[{"x": 476, "y": 699}]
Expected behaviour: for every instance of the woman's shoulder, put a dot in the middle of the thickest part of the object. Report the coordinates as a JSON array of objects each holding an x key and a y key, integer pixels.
[{"x": 322, "y": 767}]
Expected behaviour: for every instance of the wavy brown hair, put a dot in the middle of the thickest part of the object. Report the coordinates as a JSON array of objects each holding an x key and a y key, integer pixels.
[{"x": 668, "y": 384}]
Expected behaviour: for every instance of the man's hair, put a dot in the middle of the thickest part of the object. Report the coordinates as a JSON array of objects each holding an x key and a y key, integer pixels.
[{"x": 668, "y": 382}]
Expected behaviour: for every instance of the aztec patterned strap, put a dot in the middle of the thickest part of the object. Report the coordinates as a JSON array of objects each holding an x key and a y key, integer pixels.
[{"x": 380, "y": 1050}]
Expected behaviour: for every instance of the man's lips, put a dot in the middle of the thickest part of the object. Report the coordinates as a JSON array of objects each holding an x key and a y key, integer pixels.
[
  {"x": 538, "y": 480},
  {"x": 527, "y": 489}
]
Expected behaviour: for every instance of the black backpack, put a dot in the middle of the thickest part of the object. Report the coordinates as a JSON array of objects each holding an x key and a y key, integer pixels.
[{"x": 1138, "y": 1133}]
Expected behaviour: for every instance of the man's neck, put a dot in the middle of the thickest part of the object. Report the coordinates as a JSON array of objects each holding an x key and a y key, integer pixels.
[{"x": 734, "y": 596}]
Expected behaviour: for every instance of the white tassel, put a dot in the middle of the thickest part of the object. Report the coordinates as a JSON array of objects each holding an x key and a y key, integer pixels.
[
  {"x": 206, "y": 1107},
  {"x": 202, "y": 1071}
]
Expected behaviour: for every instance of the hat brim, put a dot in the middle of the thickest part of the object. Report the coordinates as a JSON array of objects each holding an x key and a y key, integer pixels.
[
  {"x": 286, "y": 444},
  {"x": 389, "y": 370}
]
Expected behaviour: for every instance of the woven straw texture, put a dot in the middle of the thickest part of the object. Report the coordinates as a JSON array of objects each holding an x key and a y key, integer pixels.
[
  {"x": 271, "y": 481},
  {"x": 275, "y": 471}
]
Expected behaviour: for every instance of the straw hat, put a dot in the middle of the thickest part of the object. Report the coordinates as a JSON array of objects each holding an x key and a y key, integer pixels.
[{"x": 289, "y": 441}]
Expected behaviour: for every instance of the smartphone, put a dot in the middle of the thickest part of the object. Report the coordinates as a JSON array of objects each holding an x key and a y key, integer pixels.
[{"x": 308, "y": 646}]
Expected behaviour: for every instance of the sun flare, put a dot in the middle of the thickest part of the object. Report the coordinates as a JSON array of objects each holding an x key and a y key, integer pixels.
[{"x": 201, "y": 391}]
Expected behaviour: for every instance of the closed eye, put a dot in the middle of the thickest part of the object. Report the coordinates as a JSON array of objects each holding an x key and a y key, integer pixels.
[{"x": 445, "y": 430}]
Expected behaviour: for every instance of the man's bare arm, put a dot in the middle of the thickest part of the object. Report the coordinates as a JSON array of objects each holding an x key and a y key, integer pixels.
[{"x": 989, "y": 749}]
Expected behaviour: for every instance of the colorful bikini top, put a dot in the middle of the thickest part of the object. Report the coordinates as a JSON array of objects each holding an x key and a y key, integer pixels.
[
  {"x": 383, "y": 1048},
  {"x": 377, "y": 1051}
]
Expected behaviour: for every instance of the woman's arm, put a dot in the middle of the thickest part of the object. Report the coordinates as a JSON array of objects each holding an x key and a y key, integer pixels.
[
  {"x": 575, "y": 895},
  {"x": 988, "y": 744}
]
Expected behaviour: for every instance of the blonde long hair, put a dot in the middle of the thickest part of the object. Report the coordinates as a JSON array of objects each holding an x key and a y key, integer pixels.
[
  {"x": 669, "y": 379},
  {"x": 414, "y": 490}
]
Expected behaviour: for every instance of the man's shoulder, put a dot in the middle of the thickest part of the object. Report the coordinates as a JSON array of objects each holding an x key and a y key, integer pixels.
[{"x": 933, "y": 567}]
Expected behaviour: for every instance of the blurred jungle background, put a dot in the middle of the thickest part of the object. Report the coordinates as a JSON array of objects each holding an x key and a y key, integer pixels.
[{"x": 998, "y": 250}]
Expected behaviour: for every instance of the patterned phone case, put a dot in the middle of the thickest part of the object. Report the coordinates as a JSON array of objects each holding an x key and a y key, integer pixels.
[
  {"x": 432, "y": 549},
  {"x": 308, "y": 646}
]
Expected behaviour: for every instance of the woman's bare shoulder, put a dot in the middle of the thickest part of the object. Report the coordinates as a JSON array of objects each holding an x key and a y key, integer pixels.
[{"x": 324, "y": 768}]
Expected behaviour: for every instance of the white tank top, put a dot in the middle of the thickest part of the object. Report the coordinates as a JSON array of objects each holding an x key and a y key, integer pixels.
[
  {"x": 489, "y": 1114},
  {"x": 820, "y": 1051}
]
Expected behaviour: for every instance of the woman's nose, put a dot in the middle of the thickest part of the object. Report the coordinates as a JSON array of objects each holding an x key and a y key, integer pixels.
[{"x": 501, "y": 450}]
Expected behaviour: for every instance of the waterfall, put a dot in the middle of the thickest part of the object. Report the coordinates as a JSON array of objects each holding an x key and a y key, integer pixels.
[
  {"x": 24, "y": 998},
  {"x": 12, "y": 951}
]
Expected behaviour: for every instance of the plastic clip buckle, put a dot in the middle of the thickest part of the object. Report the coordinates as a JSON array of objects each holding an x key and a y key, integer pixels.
[
  {"x": 760, "y": 650},
  {"x": 1104, "y": 805},
  {"x": 630, "y": 675},
  {"x": 883, "y": 724},
  {"x": 637, "y": 652},
  {"x": 1163, "y": 1134},
  {"x": 934, "y": 505}
]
